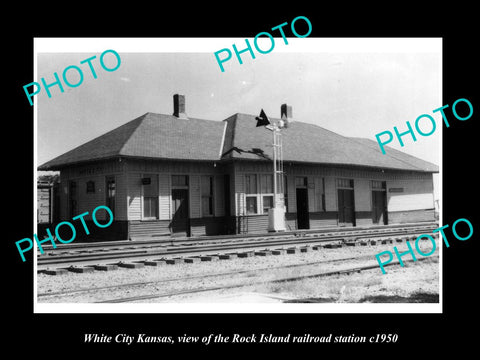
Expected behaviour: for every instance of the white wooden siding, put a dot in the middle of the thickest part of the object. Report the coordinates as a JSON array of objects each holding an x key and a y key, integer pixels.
[
  {"x": 416, "y": 195},
  {"x": 164, "y": 197},
  {"x": 418, "y": 187},
  {"x": 87, "y": 202},
  {"x": 363, "y": 195},
  {"x": 292, "y": 195},
  {"x": 134, "y": 196},
  {"x": 330, "y": 194},
  {"x": 172, "y": 167}
]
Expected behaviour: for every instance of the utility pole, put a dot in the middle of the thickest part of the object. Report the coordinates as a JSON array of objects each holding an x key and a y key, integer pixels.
[{"x": 276, "y": 214}]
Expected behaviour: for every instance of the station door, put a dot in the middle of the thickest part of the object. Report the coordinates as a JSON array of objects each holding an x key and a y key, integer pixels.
[
  {"x": 346, "y": 207},
  {"x": 303, "y": 220},
  {"x": 180, "y": 220},
  {"x": 379, "y": 208}
]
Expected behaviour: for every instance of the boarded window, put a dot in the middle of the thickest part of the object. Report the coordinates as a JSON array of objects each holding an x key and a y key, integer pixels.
[
  {"x": 266, "y": 184},
  {"x": 179, "y": 180},
  {"x": 251, "y": 184},
  {"x": 150, "y": 197}
]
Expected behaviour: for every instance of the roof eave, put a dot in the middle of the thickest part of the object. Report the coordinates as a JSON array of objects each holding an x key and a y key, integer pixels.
[
  {"x": 341, "y": 165},
  {"x": 57, "y": 167}
]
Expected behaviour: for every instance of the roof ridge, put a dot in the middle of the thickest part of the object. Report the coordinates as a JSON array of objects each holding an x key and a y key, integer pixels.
[
  {"x": 162, "y": 136},
  {"x": 231, "y": 135},
  {"x": 224, "y": 133},
  {"x": 301, "y": 122},
  {"x": 188, "y": 118}
]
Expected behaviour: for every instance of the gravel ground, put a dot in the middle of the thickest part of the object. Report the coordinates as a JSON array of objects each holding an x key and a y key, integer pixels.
[
  {"x": 367, "y": 286},
  {"x": 416, "y": 282}
]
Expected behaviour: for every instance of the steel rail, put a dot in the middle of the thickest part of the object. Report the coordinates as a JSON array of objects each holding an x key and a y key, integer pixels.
[
  {"x": 196, "y": 277},
  {"x": 233, "y": 286},
  {"x": 237, "y": 237},
  {"x": 139, "y": 253}
]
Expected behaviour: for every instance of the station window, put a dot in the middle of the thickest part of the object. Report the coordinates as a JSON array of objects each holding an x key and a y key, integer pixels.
[
  {"x": 379, "y": 185},
  {"x": 267, "y": 203},
  {"x": 259, "y": 193},
  {"x": 251, "y": 194},
  {"x": 207, "y": 195},
  {"x": 90, "y": 187},
  {"x": 150, "y": 197},
  {"x": 251, "y": 205},
  {"x": 266, "y": 189},
  {"x": 150, "y": 207},
  {"x": 345, "y": 183},
  {"x": 301, "y": 181}
]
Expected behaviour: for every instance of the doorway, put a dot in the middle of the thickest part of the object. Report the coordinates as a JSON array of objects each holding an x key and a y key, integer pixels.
[
  {"x": 379, "y": 208},
  {"x": 346, "y": 208},
  {"x": 180, "y": 219}
]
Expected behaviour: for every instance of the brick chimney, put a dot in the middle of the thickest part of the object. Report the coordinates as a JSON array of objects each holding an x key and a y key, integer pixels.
[
  {"x": 179, "y": 106},
  {"x": 286, "y": 114}
]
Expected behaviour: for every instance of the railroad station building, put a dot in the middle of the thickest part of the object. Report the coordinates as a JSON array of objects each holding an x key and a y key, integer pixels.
[{"x": 182, "y": 176}]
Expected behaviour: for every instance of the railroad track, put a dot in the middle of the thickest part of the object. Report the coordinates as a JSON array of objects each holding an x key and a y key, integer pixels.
[
  {"x": 197, "y": 277},
  {"x": 172, "y": 241},
  {"x": 72, "y": 255},
  {"x": 203, "y": 289}
]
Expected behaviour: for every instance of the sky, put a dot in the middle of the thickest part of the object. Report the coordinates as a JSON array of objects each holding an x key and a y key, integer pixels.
[{"x": 354, "y": 87}]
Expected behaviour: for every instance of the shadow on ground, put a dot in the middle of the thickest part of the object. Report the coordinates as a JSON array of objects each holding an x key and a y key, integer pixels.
[
  {"x": 414, "y": 298},
  {"x": 312, "y": 300}
]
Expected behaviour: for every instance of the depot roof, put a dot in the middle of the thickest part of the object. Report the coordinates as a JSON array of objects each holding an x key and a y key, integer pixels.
[
  {"x": 167, "y": 137},
  {"x": 309, "y": 143}
]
